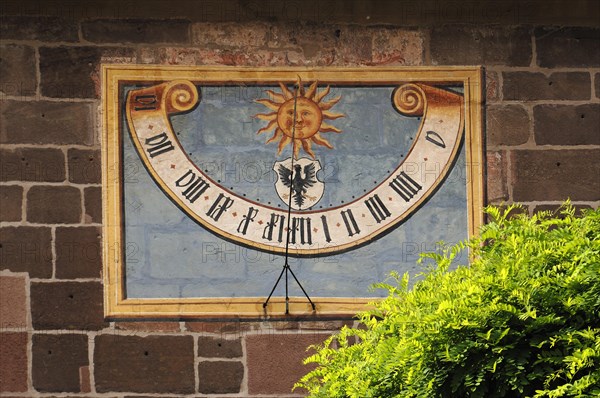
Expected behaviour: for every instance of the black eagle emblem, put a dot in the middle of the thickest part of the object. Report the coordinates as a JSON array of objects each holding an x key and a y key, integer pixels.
[{"x": 297, "y": 183}]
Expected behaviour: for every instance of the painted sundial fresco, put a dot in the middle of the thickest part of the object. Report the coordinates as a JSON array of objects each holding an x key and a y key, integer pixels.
[{"x": 216, "y": 178}]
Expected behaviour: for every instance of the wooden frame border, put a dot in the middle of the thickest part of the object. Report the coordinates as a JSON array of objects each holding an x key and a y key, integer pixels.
[{"x": 115, "y": 303}]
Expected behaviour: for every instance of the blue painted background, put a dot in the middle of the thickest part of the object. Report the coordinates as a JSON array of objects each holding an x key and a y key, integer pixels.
[{"x": 169, "y": 255}]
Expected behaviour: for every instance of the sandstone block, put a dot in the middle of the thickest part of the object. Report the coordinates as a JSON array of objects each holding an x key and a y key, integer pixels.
[
  {"x": 67, "y": 305},
  {"x": 26, "y": 249}
]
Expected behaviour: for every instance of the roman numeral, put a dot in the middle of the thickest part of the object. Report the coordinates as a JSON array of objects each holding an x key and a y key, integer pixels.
[
  {"x": 145, "y": 102},
  {"x": 377, "y": 208},
  {"x": 246, "y": 220},
  {"x": 405, "y": 186},
  {"x": 325, "y": 229},
  {"x": 435, "y": 138},
  {"x": 301, "y": 225},
  {"x": 350, "y": 222},
  {"x": 196, "y": 185},
  {"x": 276, "y": 220},
  {"x": 159, "y": 144},
  {"x": 217, "y": 209}
]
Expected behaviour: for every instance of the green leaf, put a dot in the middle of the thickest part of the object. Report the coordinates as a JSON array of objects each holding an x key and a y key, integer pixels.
[{"x": 522, "y": 320}]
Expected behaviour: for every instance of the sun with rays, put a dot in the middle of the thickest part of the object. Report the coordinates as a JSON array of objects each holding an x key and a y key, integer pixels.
[{"x": 305, "y": 127}]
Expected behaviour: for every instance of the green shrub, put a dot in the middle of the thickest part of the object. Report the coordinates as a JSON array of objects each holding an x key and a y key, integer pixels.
[{"x": 523, "y": 320}]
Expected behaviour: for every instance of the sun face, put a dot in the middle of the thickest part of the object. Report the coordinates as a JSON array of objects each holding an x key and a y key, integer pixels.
[
  {"x": 308, "y": 118},
  {"x": 303, "y": 127}
]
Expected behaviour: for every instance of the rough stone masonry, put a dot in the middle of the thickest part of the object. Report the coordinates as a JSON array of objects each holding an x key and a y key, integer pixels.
[{"x": 542, "y": 68}]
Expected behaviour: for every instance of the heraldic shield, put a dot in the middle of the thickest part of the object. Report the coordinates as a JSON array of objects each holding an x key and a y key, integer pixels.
[{"x": 299, "y": 178}]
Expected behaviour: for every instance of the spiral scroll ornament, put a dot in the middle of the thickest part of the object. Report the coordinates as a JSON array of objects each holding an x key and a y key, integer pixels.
[
  {"x": 180, "y": 96},
  {"x": 410, "y": 100}
]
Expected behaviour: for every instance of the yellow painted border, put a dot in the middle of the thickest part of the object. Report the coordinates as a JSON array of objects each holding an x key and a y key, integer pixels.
[{"x": 116, "y": 305}]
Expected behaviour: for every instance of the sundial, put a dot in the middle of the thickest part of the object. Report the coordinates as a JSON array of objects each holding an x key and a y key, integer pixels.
[{"x": 341, "y": 173}]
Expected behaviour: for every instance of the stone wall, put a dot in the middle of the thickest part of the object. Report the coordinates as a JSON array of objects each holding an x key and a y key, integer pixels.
[{"x": 542, "y": 66}]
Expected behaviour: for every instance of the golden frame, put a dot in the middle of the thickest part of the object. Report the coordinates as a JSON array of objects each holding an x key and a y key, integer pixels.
[{"x": 116, "y": 305}]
